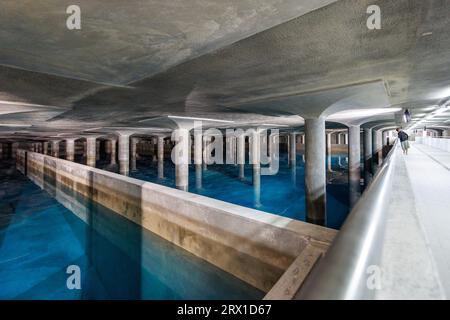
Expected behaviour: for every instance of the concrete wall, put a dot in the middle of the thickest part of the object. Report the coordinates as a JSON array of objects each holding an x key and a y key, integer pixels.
[
  {"x": 440, "y": 143},
  {"x": 256, "y": 247}
]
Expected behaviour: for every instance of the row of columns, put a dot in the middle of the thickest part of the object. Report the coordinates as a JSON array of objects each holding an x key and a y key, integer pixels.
[{"x": 316, "y": 140}]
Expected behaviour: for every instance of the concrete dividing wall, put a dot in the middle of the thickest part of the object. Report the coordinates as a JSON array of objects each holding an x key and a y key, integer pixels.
[
  {"x": 439, "y": 143},
  {"x": 256, "y": 247}
]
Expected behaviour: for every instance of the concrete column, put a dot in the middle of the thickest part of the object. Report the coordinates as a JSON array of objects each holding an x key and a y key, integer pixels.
[
  {"x": 70, "y": 149},
  {"x": 256, "y": 163},
  {"x": 339, "y": 141},
  {"x": 45, "y": 145},
  {"x": 346, "y": 138},
  {"x": 14, "y": 147},
  {"x": 233, "y": 148},
  {"x": 160, "y": 157},
  {"x": 354, "y": 164},
  {"x": 113, "y": 144},
  {"x": 1, "y": 151},
  {"x": 91, "y": 153},
  {"x": 207, "y": 148},
  {"x": 133, "y": 155},
  {"x": 302, "y": 139},
  {"x": 229, "y": 156},
  {"x": 367, "y": 156},
  {"x": 124, "y": 154},
  {"x": 368, "y": 149},
  {"x": 181, "y": 158},
  {"x": 315, "y": 175},
  {"x": 97, "y": 149},
  {"x": 376, "y": 147},
  {"x": 384, "y": 138},
  {"x": 198, "y": 155},
  {"x": 240, "y": 145},
  {"x": 328, "y": 140},
  {"x": 108, "y": 147},
  {"x": 55, "y": 148},
  {"x": 292, "y": 149}
]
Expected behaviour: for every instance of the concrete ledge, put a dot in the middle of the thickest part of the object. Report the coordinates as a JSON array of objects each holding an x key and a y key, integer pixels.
[{"x": 255, "y": 246}]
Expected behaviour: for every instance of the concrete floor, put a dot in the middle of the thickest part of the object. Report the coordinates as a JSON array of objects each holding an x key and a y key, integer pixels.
[
  {"x": 416, "y": 260},
  {"x": 429, "y": 171}
]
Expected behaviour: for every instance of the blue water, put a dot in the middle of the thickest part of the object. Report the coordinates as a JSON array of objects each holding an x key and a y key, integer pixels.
[
  {"x": 282, "y": 194},
  {"x": 40, "y": 238}
]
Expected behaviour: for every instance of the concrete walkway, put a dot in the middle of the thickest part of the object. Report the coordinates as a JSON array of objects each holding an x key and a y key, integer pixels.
[
  {"x": 407, "y": 264},
  {"x": 429, "y": 172}
]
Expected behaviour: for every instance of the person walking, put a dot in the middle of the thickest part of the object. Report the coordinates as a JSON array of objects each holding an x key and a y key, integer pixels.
[{"x": 403, "y": 136}]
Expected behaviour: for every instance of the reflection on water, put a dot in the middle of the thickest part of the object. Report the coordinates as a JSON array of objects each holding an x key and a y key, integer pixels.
[{"x": 40, "y": 238}]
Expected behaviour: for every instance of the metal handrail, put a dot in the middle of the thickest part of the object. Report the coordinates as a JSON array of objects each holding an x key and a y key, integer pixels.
[{"x": 343, "y": 272}]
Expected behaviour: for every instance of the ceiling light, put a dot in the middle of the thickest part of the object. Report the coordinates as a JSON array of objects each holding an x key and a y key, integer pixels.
[
  {"x": 361, "y": 113},
  {"x": 274, "y": 125}
]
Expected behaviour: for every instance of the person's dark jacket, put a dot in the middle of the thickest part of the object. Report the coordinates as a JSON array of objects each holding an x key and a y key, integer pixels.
[{"x": 403, "y": 136}]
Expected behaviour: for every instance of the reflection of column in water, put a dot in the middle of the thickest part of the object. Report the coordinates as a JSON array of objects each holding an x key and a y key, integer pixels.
[
  {"x": 294, "y": 176},
  {"x": 198, "y": 176},
  {"x": 329, "y": 163}
]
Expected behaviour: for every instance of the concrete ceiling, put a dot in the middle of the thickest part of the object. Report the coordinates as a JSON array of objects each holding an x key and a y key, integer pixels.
[{"x": 244, "y": 61}]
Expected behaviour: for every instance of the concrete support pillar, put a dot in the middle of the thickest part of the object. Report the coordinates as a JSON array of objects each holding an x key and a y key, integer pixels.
[
  {"x": 293, "y": 149},
  {"x": 108, "y": 147},
  {"x": 45, "y": 145},
  {"x": 346, "y": 138},
  {"x": 240, "y": 153},
  {"x": 97, "y": 149},
  {"x": 328, "y": 141},
  {"x": 354, "y": 164},
  {"x": 368, "y": 169},
  {"x": 207, "y": 149},
  {"x": 113, "y": 154},
  {"x": 302, "y": 139},
  {"x": 181, "y": 158},
  {"x": 315, "y": 175},
  {"x": 14, "y": 147},
  {"x": 376, "y": 146},
  {"x": 256, "y": 163},
  {"x": 339, "y": 135},
  {"x": 55, "y": 148},
  {"x": 91, "y": 153},
  {"x": 384, "y": 138},
  {"x": 1, "y": 151},
  {"x": 328, "y": 152},
  {"x": 70, "y": 149},
  {"x": 230, "y": 152},
  {"x": 198, "y": 155},
  {"x": 133, "y": 153},
  {"x": 160, "y": 157},
  {"x": 124, "y": 154}
]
